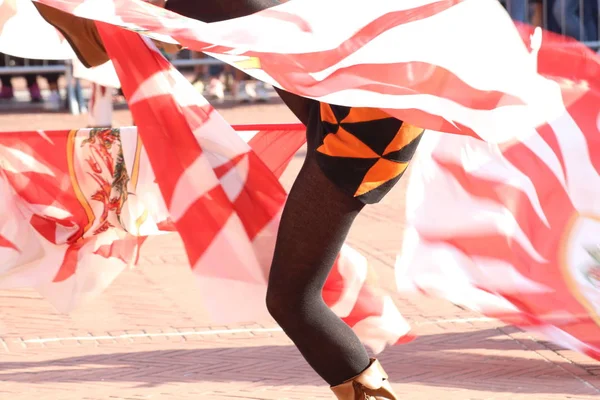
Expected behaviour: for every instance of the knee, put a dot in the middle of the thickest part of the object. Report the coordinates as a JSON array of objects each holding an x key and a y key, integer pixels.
[
  {"x": 277, "y": 303},
  {"x": 284, "y": 304}
]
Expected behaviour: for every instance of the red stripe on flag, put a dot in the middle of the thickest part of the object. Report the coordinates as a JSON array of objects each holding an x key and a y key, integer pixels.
[
  {"x": 367, "y": 305},
  {"x": 268, "y": 127},
  {"x": 221, "y": 170},
  {"x": 491, "y": 246},
  {"x": 547, "y": 133},
  {"x": 425, "y": 120},
  {"x": 508, "y": 196},
  {"x": 287, "y": 17},
  {"x": 4, "y": 242},
  {"x": 334, "y": 286},
  {"x": 388, "y": 79},
  {"x": 258, "y": 203},
  {"x": 260, "y": 199},
  {"x": 123, "y": 249},
  {"x": 556, "y": 204},
  {"x": 203, "y": 221},
  {"x": 314, "y": 62},
  {"x": 69, "y": 263},
  {"x": 277, "y": 148},
  {"x": 320, "y": 60}
]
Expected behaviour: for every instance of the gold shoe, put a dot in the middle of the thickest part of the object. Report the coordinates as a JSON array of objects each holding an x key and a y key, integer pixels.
[
  {"x": 81, "y": 33},
  {"x": 371, "y": 384}
]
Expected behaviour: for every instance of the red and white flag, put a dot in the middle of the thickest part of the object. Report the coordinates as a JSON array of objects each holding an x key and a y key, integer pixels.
[
  {"x": 88, "y": 198},
  {"x": 512, "y": 229},
  {"x": 77, "y": 206},
  {"x": 24, "y": 33},
  {"x": 438, "y": 64},
  {"x": 223, "y": 198},
  {"x": 457, "y": 66},
  {"x": 71, "y": 219}
]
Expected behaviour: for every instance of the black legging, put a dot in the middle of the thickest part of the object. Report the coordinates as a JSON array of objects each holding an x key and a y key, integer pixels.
[
  {"x": 315, "y": 222},
  {"x": 314, "y": 225}
]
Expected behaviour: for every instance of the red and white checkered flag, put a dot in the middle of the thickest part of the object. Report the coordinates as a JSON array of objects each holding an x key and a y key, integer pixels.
[
  {"x": 223, "y": 199},
  {"x": 106, "y": 193}
]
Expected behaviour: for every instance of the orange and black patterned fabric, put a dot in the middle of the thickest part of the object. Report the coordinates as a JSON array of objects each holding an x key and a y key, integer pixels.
[{"x": 364, "y": 151}]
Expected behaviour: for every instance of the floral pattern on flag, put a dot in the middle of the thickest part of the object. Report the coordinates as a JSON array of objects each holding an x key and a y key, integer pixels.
[{"x": 66, "y": 191}]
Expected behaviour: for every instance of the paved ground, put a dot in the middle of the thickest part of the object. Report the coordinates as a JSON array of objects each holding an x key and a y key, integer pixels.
[{"x": 148, "y": 337}]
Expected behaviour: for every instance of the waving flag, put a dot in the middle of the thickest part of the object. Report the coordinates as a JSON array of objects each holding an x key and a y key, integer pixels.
[
  {"x": 24, "y": 33},
  {"x": 69, "y": 195},
  {"x": 512, "y": 229},
  {"x": 208, "y": 173},
  {"x": 456, "y": 66},
  {"x": 86, "y": 209},
  {"x": 78, "y": 204},
  {"x": 508, "y": 97},
  {"x": 446, "y": 65}
]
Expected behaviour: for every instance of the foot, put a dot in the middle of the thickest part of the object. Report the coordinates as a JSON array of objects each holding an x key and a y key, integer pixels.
[{"x": 371, "y": 384}]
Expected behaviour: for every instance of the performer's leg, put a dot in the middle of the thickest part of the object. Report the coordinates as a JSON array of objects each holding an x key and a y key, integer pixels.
[
  {"x": 314, "y": 225},
  {"x": 300, "y": 106},
  {"x": 355, "y": 156}
]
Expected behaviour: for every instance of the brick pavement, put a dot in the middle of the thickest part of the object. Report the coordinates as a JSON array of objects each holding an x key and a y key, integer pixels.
[{"x": 148, "y": 337}]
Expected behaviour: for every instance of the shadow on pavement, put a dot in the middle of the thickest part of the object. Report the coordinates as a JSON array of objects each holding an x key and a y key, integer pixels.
[{"x": 484, "y": 360}]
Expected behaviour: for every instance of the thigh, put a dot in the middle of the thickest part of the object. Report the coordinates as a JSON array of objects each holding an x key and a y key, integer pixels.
[
  {"x": 363, "y": 151},
  {"x": 300, "y": 106}
]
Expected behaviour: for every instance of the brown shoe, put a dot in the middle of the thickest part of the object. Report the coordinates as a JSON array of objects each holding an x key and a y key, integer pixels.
[
  {"x": 81, "y": 33},
  {"x": 371, "y": 384}
]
